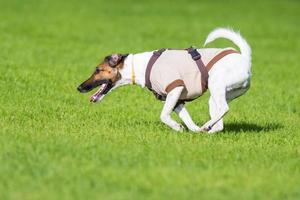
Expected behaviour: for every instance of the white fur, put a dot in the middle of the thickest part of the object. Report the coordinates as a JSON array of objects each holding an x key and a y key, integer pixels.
[
  {"x": 228, "y": 79},
  {"x": 170, "y": 103}
]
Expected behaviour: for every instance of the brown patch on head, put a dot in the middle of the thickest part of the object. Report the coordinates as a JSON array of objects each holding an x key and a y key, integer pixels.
[
  {"x": 109, "y": 67},
  {"x": 106, "y": 71}
]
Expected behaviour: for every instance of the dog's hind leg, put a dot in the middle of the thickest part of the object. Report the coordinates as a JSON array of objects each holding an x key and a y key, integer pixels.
[
  {"x": 219, "y": 107},
  {"x": 213, "y": 112},
  {"x": 171, "y": 100},
  {"x": 186, "y": 118}
]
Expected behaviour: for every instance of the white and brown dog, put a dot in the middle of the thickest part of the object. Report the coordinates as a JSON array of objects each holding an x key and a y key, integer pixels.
[{"x": 176, "y": 76}]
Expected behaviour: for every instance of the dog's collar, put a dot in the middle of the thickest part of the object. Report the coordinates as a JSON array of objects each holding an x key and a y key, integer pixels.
[{"x": 132, "y": 73}]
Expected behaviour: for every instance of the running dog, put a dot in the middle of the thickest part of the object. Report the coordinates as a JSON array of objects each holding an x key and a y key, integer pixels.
[{"x": 176, "y": 76}]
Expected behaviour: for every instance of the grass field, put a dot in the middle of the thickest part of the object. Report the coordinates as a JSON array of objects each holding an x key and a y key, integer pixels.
[{"x": 54, "y": 144}]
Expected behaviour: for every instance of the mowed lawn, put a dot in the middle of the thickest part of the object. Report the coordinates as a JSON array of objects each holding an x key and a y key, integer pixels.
[{"x": 54, "y": 144}]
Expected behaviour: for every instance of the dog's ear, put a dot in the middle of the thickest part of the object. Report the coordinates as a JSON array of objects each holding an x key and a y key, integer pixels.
[{"x": 115, "y": 59}]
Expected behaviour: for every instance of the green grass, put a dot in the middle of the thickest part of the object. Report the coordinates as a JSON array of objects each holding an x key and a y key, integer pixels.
[{"x": 54, "y": 144}]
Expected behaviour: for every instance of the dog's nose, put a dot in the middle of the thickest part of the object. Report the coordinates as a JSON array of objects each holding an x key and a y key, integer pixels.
[{"x": 79, "y": 88}]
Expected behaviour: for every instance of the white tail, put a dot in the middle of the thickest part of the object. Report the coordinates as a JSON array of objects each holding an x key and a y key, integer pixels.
[{"x": 235, "y": 37}]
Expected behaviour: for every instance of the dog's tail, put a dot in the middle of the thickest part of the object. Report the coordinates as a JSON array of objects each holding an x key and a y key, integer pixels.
[{"x": 235, "y": 37}]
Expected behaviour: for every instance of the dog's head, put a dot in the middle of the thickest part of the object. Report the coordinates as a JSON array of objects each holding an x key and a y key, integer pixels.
[{"x": 106, "y": 75}]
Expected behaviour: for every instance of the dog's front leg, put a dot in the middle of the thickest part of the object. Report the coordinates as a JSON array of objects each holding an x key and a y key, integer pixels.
[
  {"x": 182, "y": 112},
  {"x": 171, "y": 100}
]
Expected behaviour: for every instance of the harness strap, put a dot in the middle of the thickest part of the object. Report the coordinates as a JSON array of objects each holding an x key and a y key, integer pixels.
[
  {"x": 204, "y": 72},
  {"x": 151, "y": 62},
  {"x": 219, "y": 57}
]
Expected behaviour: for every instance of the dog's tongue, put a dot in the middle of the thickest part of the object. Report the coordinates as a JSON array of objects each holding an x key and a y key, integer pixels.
[{"x": 97, "y": 95}]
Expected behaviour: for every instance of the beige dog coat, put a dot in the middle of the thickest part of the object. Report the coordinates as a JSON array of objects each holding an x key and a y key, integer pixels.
[{"x": 175, "y": 68}]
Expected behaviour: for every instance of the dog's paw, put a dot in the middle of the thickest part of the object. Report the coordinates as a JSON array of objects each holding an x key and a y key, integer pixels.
[
  {"x": 178, "y": 127},
  {"x": 215, "y": 130},
  {"x": 203, "y": 130},
  {"x": 195, "y": 129}
]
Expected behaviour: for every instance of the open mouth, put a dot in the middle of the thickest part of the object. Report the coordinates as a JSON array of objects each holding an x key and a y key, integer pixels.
[{"x": 101, "y": 92}]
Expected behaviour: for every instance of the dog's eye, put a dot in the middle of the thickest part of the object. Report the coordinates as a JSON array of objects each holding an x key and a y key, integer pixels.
[{"x": 97, "y": 70}]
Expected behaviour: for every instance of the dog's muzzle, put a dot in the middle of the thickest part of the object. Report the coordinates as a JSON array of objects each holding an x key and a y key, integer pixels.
[{"x": 105, "y": 87}]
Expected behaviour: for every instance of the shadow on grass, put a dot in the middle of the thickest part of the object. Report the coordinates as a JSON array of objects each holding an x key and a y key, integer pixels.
[
  {"x": 251, "y": 127},
  {"x": 229, "y": 127}
]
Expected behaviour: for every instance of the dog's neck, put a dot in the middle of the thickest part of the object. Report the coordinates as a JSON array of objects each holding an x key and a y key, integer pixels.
[{"x": 134, "y": 69}]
